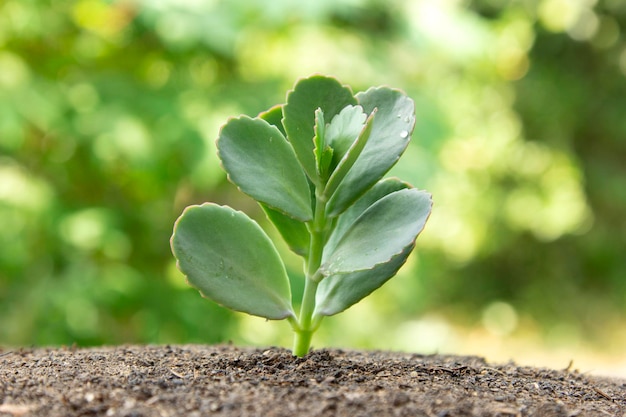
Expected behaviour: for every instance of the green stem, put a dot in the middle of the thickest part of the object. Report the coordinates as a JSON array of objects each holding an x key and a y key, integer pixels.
[
  {"x": 307, "y": 326},
  {"x": 302, "y": 338}
]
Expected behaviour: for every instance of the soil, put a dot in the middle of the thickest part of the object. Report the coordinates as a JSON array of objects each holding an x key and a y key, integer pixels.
[{"x": 192, "y": 380}]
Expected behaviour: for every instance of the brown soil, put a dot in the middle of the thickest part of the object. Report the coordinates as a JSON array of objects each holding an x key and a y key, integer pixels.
[{"x": 135, "y": 381}]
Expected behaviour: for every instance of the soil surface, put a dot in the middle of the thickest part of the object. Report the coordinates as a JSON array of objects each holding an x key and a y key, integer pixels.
[{"x": 191, "y": 380}]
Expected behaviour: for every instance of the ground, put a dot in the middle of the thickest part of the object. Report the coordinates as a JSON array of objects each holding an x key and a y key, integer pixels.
[{"x": 193, "y": 380}]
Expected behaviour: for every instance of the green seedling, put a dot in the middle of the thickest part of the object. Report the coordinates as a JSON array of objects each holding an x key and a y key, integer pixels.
[{"x": 316, "y": 167}]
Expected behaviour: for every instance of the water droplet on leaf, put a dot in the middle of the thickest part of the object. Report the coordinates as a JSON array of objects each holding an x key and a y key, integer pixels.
[{"x": 404, "y": 134}]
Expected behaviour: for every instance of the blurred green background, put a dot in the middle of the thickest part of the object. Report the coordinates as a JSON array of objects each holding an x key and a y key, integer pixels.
[{"x": 109, "y": 111}]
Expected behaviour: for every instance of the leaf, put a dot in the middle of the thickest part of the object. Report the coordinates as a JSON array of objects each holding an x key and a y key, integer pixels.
[
  {"x": 318, "y": 140},
  {"x": 274, "y": 116},
  {"x": 323, "y": 153},
  {"x": 325, "y": 162},
  {"x": 380, "y": 233},
  {"x": 294, "y": 232},
  {"x": 345, "y": 221},
  {"x": 349, "y": 158},
  {"x": 230, "y": 260},
  {"x": 338, "y": 292},
  {"x": 260, "y": 161},
  {"x": 344, "y": 129},
  {"x": 391, "y": 132},
  {"x": 308, "y": 95}
]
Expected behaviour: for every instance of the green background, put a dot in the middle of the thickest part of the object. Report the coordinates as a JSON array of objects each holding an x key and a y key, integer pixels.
[{"x": 109, "y": 111}]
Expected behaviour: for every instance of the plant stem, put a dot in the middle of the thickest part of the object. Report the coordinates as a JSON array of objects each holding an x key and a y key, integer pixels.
[
  {"x": 303, "y": 335},
  {"x": 306, "y": 328}
]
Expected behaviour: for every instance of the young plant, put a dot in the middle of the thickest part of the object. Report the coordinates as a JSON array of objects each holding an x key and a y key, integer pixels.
[{"x": 316, "y": 167}]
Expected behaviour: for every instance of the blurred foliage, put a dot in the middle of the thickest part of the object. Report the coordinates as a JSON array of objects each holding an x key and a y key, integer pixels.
[{"x": 109, "y": 111}]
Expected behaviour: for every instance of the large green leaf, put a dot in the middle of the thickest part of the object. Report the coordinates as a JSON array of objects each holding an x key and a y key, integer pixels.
[
  {"x": 230, "y": 260},
  {"x": 308, "y": 95},
  {"x": 260, "y": 161},
  {"x": 383, "y": 231},
  {"x": 338, "y": 292},
  {"x": 347, "y": 218},
  {"x": 391, "y": 132}
]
